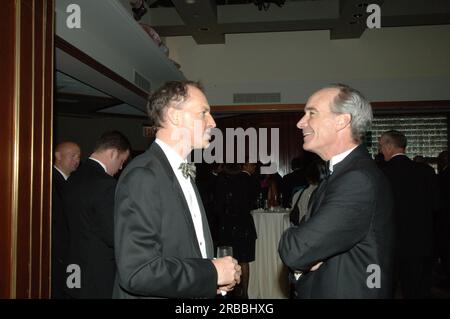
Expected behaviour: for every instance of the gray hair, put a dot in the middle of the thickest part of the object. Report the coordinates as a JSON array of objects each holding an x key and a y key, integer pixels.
[
  {"x": 396, "y": 138},
  {"x": 351, "y": 101}
]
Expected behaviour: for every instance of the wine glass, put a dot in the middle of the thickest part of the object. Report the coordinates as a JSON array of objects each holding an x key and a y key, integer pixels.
[{"x": 223, "y": 251}]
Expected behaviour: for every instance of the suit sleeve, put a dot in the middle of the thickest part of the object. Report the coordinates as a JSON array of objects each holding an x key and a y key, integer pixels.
[
  {"x": 141, "y": 266},
  {"x": 342, "y": 220}
]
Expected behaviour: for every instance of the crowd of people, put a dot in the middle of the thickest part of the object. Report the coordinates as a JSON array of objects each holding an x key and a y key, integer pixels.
[{"x": 360, "y": 227}]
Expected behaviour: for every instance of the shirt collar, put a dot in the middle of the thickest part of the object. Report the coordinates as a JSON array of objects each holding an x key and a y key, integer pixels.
[
  {"x": 339, "y": 158},
  {"x": 397, "y": 154},
  {"x": 174, "y": 158},
  {"x": 101, "y": 164},
  {"x": 61, "y": 172}
]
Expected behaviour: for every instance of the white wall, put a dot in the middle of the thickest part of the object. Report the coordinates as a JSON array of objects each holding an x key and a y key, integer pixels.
[
  {"x": 85, "y": 131},
  {"x": 388, "y": 64}
]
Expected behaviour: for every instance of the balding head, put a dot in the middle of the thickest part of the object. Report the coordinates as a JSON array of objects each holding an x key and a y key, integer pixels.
[{"x": 67, "y": 157}]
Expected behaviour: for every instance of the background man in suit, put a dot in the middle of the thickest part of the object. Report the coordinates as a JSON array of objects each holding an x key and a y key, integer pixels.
[
  {"x": 236, "y": 195},
  {"x": 89, "y": 205},
  {"x": 443, "y": 219},
  {"x": 163, "y": 243},
  {"x": 345, "y": 248},
  {"x": 67, "y": 158},
  {"x": 416, "y": 199}
]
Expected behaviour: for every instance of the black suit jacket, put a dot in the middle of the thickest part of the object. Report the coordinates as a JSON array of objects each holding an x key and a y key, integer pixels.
[
  {"x": 235, "y": 197},
  {"x": 89, "y": 205},
  {"x": 416, "y": 198},
  {"x": 443, "y": 218},
  {"x": 157, "y": 251},
  {"x": 60, "y": 235},
  {"x": 350, "y": 230}
]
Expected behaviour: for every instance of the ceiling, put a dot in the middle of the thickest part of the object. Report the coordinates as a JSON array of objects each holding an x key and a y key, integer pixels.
[{"x": 208, "y": 21}]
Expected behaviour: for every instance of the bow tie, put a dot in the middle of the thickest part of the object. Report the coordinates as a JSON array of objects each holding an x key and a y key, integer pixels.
[{"x": 187, "y": 169}]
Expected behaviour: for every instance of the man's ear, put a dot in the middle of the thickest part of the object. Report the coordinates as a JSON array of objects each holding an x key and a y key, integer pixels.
[
  {"x": 113, "y": 153},
  {"x": 389, "y": 147},
  {"x": 173, "y": 115},
  {"x": 343, "y": 120}
]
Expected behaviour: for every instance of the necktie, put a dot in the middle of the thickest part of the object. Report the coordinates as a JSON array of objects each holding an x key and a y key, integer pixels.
[{"x": 187, "y": 169}]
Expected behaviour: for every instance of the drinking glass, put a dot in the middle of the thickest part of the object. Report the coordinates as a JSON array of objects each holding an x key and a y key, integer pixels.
[{"x": 223, "y": 251}]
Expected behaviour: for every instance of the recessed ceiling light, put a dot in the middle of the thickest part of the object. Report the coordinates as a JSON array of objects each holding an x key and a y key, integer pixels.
[{"x": 190, "y": 1}]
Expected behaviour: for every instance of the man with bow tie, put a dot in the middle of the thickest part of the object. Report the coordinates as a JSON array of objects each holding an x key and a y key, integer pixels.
[
  {"x": 163, "y": 244},
  {"x": 345, "y": 248}
]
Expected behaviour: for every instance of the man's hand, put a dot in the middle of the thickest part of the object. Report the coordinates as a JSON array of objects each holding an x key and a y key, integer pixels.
[
  {"x": 228, "y": 271},
  {"x": 224, "y": 289}
]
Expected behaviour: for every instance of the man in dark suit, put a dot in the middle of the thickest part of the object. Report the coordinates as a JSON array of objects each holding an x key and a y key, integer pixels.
[
  {"x": 162, "y": 240},
  {"x": 416, "y": 199},
  {"x": 345, "y": 248},
  {"x": 207, "y": 187},
  {"x": 443, "y": 218},
  {"x": 236, "y": 195},
  {"x": 89, "y": 205},
  {"x": 67, "y": 159}
]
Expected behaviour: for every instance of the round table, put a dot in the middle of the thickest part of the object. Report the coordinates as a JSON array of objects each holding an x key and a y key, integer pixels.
[{"x": 268, "y": 275}]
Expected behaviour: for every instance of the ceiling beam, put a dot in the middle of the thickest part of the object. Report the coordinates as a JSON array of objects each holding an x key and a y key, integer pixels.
[
  {"x": 352, "y": 20},
  {"x": 201, "y": 17}
]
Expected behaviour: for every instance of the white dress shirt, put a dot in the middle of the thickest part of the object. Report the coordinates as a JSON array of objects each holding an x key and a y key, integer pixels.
[
  {"x": 61, "y": 172},
  {"x": 101, "y": 164},
  {"x": 339, "y": 158},
  {"x": 175, "y": 161}
]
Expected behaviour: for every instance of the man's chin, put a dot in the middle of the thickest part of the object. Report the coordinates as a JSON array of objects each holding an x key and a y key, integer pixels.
[
  {"x": 306, "y": 147},
  {"x": 202, "y": 146}
]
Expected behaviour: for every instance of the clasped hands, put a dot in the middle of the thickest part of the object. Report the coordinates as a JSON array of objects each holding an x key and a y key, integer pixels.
[{"x": 228, "y": 273}]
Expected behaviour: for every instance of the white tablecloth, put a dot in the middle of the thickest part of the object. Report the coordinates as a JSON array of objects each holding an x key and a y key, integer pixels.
[{"x": 268, "y": 275}]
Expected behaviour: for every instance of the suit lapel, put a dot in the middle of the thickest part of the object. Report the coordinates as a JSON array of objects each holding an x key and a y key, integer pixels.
[
  {"x": 319, "y": 193},
  {"x": 178, "y": 192}
]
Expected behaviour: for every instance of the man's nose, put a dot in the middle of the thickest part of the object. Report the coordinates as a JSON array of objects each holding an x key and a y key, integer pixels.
[
  {"x": 211, "y": 122},
  {"x": 301, "y": 124}
]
